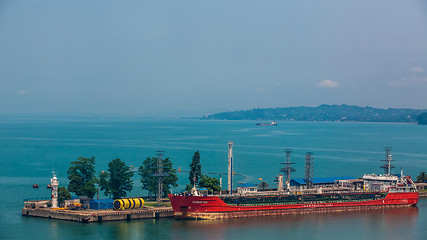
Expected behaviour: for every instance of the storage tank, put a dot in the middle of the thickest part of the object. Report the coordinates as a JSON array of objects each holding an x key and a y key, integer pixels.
[{"x": 128, "y": 203}]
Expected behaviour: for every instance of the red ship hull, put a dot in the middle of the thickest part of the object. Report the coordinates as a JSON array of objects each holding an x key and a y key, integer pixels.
[{"x": 212, "y": 207}]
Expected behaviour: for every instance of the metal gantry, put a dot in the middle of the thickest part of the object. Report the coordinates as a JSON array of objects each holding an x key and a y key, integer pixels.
[
  {"x": 159, "y": 175},
  {"x": 309, "y": 169}
]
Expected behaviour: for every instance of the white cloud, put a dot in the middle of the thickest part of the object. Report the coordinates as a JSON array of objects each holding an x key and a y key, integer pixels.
[
  {"x": 328, "y": 83},
  {"x": 416, "y": 69},
  {"x": 22, "y": 92}
]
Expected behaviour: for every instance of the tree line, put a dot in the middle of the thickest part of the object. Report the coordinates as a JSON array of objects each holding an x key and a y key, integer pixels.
[
  {"x": 116, "y": 181},
  {"x": 422, "y": 119}
]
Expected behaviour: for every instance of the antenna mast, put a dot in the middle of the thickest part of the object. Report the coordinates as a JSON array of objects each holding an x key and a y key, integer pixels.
[
  {"x": 387, "y": 166},
  {"x": 287, "y": 170}
]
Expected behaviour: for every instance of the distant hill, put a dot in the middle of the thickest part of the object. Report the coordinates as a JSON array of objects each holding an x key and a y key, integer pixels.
[
  {"x": 422, "y": 119},
  {"x": 324, "y": 113}
]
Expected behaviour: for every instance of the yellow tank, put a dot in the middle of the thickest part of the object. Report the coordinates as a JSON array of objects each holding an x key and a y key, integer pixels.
[{"x": 128, "y": 203}]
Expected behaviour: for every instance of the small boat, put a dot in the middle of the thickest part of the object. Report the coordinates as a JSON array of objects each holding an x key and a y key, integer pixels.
[
  {"x": 36, "y": 186},
  {"x": 49, "y": 186},
  {"x": 273, "y": 123}
]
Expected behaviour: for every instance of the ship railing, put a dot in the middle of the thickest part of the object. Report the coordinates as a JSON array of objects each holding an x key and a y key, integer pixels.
[
  {"x": 401, "y": 189},
  {"x": 276, "y": 193},
  {"x": 296, "y": 192},
  {"x": 308, "y": 202},
  {"x": 304, "y": 202}
]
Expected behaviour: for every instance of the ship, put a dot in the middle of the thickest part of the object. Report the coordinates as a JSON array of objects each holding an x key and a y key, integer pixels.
[
  {"x": 371, "y": 191},
  {"x": 273, "y": 123}
]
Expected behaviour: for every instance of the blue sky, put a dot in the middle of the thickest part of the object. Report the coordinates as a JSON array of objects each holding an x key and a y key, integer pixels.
[{"x": 202, "y": 57}]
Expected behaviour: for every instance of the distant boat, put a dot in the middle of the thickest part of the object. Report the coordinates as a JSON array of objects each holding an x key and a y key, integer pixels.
[
  {"x": 35, "y": 186},
  {"x": 273, "y": 123}
]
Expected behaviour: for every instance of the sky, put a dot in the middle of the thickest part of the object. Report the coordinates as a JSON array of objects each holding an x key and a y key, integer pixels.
[{"x": 201, "y": 57}]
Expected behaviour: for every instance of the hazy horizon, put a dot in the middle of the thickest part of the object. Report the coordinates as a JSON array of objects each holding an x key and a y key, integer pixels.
[
  {"x": 156, "y": 115},
  {"x": 192, "y": 58}
]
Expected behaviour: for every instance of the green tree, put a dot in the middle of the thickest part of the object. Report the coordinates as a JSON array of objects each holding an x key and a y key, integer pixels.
[
  {"x": 263, "y": 185},
  {"x": 195, "y": 169},
  {"x": 63, "y": 194},
  {"x": 149, "y": 183},
  {"x": 104, "y": 182},
  {"x": 422, "y": 177},
  {"x": 117, "y": 181},
  {"x": 81, "y": 175},
  {"x": 210, "y": 183}
]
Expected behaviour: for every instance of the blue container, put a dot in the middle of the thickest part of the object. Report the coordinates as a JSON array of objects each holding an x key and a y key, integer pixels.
[{"x": 98, "y": 204}]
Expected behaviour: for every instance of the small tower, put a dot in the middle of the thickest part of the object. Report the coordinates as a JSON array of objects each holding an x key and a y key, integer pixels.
[{"x": 54, "y": 183}]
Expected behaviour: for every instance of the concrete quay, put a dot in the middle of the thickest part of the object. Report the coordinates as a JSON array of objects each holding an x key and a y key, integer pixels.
[{"x": 88, "y": 216}]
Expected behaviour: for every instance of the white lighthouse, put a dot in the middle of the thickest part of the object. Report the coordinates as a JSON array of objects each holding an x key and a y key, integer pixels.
[{"x": 54, "y": 183}]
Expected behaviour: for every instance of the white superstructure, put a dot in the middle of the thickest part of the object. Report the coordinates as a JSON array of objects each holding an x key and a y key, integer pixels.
[{"x": 388, "y": 183}]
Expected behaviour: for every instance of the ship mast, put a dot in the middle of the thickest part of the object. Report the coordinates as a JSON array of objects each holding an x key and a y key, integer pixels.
[
  {"x": 387, "y": 166},
  {"x": 287, "y": 170}
]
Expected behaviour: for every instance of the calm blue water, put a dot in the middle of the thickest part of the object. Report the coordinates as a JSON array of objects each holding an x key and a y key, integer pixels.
[{"x": 30, "y": 148}]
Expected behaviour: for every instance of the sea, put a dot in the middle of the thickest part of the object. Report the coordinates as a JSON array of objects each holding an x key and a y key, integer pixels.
[{"x": 31, "y": 148}]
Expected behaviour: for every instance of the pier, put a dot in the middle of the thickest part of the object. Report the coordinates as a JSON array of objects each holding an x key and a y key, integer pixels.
[{"x": 89, "y": 216}]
